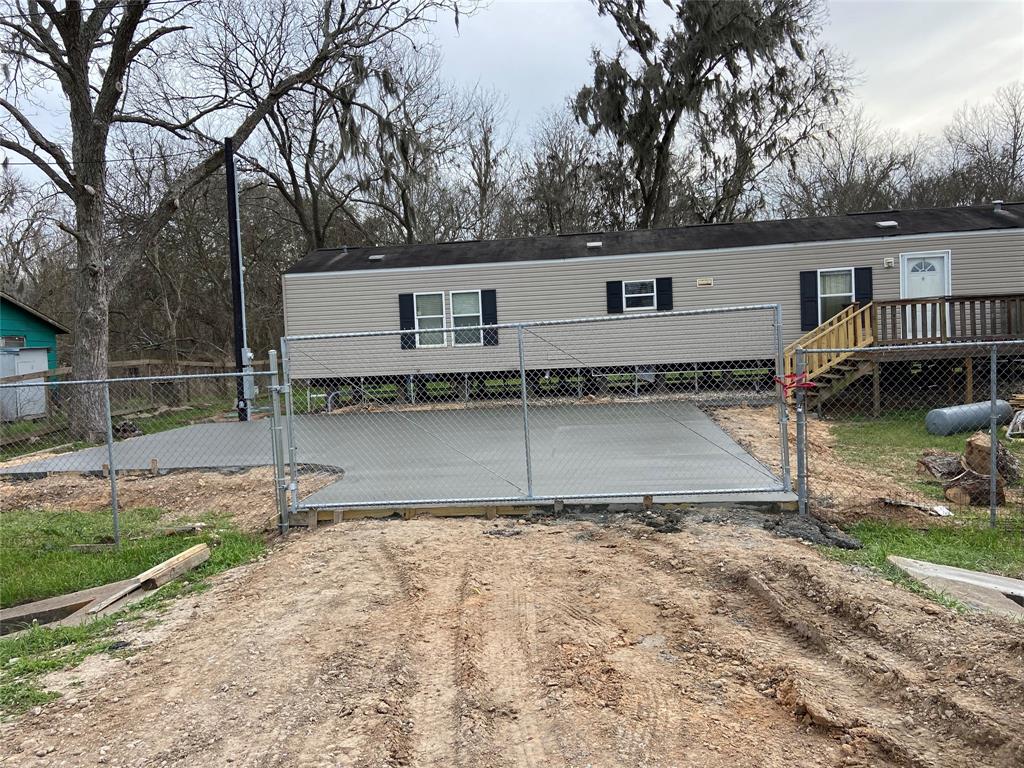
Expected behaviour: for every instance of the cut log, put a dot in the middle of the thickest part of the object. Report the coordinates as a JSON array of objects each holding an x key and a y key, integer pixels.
[
  {"x": 173, "y": 568},
  {"x": 939, "y": 465},
  {"x": 971, "y": 488},
  {"x": 978, "y": 457}
]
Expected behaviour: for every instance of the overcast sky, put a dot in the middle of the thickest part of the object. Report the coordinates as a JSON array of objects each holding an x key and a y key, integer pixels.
[{"x": 917, "y": 61}]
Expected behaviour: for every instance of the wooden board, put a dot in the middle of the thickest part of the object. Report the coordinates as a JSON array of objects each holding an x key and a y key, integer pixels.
[{"x": 173, "y": 567}]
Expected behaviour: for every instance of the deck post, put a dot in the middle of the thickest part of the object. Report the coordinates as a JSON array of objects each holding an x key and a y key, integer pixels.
[
  {"x": 968, "y": 380},
  {"x": 994, "y": 438}
]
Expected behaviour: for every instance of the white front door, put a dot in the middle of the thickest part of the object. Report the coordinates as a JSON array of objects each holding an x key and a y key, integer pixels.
[{"x": 924, "y": 275}]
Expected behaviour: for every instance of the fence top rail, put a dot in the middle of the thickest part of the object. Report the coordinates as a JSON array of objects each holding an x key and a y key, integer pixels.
[
  {"x": 526, "y": 325},
  {"x": 171, "y": 377},
  {"x": 917, "y": 347}
]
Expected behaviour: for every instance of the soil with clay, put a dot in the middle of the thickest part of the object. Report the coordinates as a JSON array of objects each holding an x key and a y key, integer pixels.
[{"x": 467, "y": 642}]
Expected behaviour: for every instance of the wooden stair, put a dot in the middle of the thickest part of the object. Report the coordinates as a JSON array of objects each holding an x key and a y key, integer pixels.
[
  {"x": 832, "y": 372},
  {"x": 836, "y": 379}
]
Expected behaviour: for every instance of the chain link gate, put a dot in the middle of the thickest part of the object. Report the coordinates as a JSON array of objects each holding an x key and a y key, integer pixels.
[{"x": 604, "y": 408}]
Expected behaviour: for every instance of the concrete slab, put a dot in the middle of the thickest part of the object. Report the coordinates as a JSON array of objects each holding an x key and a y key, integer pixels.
[
  {"x": 670, "y": 449},
  {"x": 979, "y": 590}
]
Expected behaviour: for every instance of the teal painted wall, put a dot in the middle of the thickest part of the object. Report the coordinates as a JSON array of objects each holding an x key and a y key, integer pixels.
[{"x": 14, "y": 321}]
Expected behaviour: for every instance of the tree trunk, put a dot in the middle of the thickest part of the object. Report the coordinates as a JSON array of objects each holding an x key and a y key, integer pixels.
[{"x": 92, "y": 320}]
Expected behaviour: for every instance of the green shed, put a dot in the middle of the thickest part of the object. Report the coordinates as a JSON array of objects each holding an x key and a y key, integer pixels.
[{"x": 22, "y": 328}]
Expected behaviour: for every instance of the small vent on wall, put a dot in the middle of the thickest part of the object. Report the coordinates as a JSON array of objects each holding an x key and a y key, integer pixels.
[
  {"x": 887, "y": 224},
  {"x": 594, "y": 243},
  {"x": 375, "y": 257}
]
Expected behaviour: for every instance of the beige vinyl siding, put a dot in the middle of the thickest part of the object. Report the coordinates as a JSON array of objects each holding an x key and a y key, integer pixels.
[{"x": 981, "y": 262}]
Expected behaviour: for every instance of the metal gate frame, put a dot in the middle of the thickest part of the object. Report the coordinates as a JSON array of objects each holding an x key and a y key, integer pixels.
[{"x": 287, "y": 454}]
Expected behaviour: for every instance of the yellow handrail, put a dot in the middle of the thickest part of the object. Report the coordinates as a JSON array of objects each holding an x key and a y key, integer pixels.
[{"x": 851, "y": 328}]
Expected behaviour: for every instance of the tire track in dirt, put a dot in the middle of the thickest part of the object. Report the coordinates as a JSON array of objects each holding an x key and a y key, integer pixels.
[
  {"x": 896, "y": 684},
  {"x": 535, "y": 734}
]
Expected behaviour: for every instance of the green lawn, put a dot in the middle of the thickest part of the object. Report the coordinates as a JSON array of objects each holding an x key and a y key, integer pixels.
[
  {"x": 977, "y": 548},
  {"x": 37, "y": 562},
  {"x": 891, "y": 445}
]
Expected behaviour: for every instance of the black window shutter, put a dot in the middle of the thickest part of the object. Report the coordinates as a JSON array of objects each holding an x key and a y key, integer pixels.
[
  {"x": 489, "y": 316},
  {"x": 663, "y": 293},
  {"x": 808, "y": 300},
  {"x": 407, "y": 320},
  {"x": 614, "y": 297},
  {"x": 862, "y": 290}
]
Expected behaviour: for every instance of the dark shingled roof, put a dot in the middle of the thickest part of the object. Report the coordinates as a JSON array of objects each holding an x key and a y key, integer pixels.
[{"x": 692, "y": 238}]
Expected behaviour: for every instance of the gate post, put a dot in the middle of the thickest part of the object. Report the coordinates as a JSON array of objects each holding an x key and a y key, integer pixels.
[
  {"x": 526, "y": 411},
  {"x": 289, "y": 426},
  {"x": 801, "y": 434},
  {"x": 280, "y": 486},
  {"x": 780, "y": 377}
]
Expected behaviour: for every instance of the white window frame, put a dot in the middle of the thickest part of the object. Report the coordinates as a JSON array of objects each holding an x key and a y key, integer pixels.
[
  {"x": 479, "y": 314},
  {"x": 852, "y": 293},
  {"x": 653, "y": 294},
  {"x": 416, "y": 321}
]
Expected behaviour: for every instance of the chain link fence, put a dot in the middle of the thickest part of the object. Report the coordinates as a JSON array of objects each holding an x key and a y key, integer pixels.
[
  {"x": 901, "y": 432},
  {"x": 622, "y": 406},
  {"x": 95, "y": 442}
]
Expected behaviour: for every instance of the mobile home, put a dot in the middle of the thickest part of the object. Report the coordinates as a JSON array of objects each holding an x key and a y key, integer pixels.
[{"x": 920, "y": 275}]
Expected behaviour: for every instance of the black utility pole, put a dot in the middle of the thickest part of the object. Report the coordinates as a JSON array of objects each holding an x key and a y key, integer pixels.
[{"x": 243, "y": 359}]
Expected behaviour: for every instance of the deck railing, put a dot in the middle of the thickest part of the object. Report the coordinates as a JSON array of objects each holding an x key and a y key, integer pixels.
[
  {"x": 949, "y": 318},
  {"x": 848, "y": 329}
]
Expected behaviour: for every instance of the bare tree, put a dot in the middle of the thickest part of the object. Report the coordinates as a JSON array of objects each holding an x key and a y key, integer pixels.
[
  {"x": 167, "y": 66},
  {"x": 853, "y": 167},
  {"x": 987, "y": 146}
]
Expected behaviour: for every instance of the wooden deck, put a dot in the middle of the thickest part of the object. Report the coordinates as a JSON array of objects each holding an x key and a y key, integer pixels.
[
  {"x": 856, "y": 342},
  {"x": 947, "y": 319}
]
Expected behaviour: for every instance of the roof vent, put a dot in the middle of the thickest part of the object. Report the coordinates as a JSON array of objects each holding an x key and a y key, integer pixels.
[
  {"x": 997, "y": 205},
  {"x": 887, "y": 224},
  {"x": 594, "y": 244},
  {"x": 375, "y": 257}
]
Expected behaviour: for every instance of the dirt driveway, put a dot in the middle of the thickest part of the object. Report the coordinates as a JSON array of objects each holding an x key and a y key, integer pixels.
[{"x": 491, "y": 643}]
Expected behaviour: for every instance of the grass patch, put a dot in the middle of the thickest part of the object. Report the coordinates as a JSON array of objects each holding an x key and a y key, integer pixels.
[
  {"x": 979, "y": 549},
  {"x": 891, "y": 445},
  {"x": 38, "y": 563}
]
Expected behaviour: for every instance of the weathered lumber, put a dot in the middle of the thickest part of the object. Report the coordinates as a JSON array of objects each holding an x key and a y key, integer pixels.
[
  {"x": 113, "y": 597},
  {"x": 54, "y": 608},
  {"x": 978, "y": 457},
  {"x": 173, "y": 567}
]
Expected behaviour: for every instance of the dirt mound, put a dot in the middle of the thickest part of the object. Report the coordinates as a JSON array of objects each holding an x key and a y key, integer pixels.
[{"x": 427, "y": 643}]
